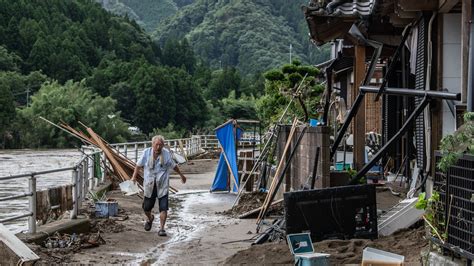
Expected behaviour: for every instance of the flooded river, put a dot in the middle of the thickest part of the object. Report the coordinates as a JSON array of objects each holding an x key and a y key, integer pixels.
[{"x": 15, "y": 162}]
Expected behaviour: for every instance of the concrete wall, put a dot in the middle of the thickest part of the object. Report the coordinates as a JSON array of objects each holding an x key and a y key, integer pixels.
[{"x": 303, "y": 161}]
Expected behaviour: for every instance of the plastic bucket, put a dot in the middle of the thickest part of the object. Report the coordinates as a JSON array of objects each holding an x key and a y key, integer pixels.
[{"x": 104, "y": 209}]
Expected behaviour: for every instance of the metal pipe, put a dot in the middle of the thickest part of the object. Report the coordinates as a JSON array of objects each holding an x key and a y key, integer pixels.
[
  {"x": 470, "y": 82},
  {"x": 35, "y": 173},
  {"x": 16, "y": 197},
  {"x": 32, "y": 204},
  {"x": 400, "y": 133},
  {"x": 416, "y": 93},
  {"x": 15, "y": 217},
  {"x": 347, "y": 122}
]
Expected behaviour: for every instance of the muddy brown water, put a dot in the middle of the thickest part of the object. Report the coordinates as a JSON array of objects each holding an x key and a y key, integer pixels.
[{"x": 16, "y": 162}]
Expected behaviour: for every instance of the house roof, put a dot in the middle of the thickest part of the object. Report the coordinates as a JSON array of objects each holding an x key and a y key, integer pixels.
[{"x": 356, "y": 8}]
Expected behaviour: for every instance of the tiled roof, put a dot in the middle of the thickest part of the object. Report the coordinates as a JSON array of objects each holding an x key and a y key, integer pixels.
[{"x": 340, "y": 8}]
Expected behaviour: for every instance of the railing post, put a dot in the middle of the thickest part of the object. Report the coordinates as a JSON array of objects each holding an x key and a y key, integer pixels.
[
  {"x": 32, "y": 204},
  {"x": 75, "y": 203},
  {"x": 92, "y": 172},
  {"x": 125, "y": 147},
  {"x": 86, "y": 177},
  {"x": 136, "y": 152}
]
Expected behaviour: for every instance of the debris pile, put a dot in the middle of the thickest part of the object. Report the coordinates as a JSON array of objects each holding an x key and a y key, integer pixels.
[
  {"x": 249, "y": 205},
  {"x": 211, "y": 154}
]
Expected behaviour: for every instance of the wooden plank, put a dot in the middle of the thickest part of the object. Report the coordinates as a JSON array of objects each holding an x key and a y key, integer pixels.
[
  {"x": 446, "y": 5},
  {"x": 254, "y": 211},
  {"x": 418, "y": 5},
  {"x": 274, "y": 183},
  {"x": 359, "y": 120}
]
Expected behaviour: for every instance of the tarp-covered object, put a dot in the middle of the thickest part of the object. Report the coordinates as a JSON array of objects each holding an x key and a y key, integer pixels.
[{"x": 226, "y": 135}]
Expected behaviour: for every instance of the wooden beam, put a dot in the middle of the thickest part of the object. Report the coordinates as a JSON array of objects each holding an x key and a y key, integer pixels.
[
  {"x": 359, "y": 120},
  {"x": 418, "y": 5},
  {"x": 446, "y": 5},
  {"x": 465, "y": 18}
]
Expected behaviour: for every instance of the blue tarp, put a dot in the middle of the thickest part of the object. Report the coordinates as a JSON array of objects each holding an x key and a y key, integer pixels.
[{"x": 226, "y": 138}]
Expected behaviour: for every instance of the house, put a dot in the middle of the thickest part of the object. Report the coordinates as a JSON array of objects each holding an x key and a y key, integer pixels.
[{"x": 417, "y": 45}]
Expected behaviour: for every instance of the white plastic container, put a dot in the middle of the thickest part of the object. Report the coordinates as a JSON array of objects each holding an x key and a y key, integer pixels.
[{"x": 377, "y": 257}]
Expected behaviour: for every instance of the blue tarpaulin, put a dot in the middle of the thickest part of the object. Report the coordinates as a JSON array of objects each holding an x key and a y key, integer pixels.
[{"x": 226, "y": 137}]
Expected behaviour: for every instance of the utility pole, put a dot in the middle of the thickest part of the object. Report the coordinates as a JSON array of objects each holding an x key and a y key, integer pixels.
[{"x": 291, "y": 47}]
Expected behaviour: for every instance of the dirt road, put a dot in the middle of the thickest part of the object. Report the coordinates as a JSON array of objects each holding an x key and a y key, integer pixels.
[{"x": 196, "y": 233}]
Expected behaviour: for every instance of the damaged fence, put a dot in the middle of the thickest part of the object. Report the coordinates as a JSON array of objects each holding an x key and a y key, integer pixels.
[{"x": 84, "y": 177}]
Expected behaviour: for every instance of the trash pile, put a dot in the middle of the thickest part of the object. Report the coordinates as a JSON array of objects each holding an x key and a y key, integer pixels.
[{"x": 72, "y": 243}]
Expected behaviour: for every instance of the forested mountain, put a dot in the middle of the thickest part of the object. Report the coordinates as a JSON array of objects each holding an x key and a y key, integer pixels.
[
  {"x": 251, "y": 35},
  {"x": 147, "y": 13},
  {"x": 74, "y": 61}
]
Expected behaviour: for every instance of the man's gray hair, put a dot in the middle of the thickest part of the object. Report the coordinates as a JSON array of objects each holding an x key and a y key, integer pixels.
[{"x": 158, "y": 137}]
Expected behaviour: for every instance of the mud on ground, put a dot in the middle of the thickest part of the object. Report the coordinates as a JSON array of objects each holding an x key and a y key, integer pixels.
[
  {"x": 407, "y": 242},
  {"x": 251, "y": 201}
]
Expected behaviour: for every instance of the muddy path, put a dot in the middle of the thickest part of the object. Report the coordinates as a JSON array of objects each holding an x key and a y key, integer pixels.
[{"x": 197, "y": 231}]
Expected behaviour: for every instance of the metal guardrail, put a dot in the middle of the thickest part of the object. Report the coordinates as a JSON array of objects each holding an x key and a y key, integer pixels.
[
  {"x": 82, "y": 179},
  {"x": 185, "y": 146}
]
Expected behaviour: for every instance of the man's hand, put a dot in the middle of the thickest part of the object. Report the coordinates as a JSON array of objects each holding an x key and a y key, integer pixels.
[{"x": 183, "y": 179}]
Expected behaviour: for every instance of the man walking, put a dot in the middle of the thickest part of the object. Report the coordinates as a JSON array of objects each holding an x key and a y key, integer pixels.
[{"x": 157, "y": 163}]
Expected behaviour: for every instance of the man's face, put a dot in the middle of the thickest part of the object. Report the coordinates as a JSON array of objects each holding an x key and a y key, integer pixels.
[{"x": 157, "y": 146}]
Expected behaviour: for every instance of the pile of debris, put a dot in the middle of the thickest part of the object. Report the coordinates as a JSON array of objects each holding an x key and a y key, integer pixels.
[
  {"x": 250, "y": 204},
  {"x": 210, "y": 154}
]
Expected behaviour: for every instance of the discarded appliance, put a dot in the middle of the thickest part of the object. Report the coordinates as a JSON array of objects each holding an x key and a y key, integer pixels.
[
  {"x": 340, "y": 212},
  {"x": 105, "y": 209},
  {"x": 377, "y": 257},
  {"x": 302, "y": 248}
]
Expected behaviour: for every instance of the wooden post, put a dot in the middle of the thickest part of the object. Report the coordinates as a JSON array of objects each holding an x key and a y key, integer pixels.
[{"x": 359, "y": 120}]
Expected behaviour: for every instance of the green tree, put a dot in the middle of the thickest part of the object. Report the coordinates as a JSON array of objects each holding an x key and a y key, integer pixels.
[
  {"x": 70, "y": 103},
  {"x": 7, "y": 112},
  {"x": 9, "y": 61},
  {"x": 282, "y": 84},
  {"x": 179, "y": 54}
]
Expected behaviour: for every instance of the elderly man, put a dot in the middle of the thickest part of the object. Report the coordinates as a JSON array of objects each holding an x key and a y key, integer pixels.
[{"x": 157, "y": 163}]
